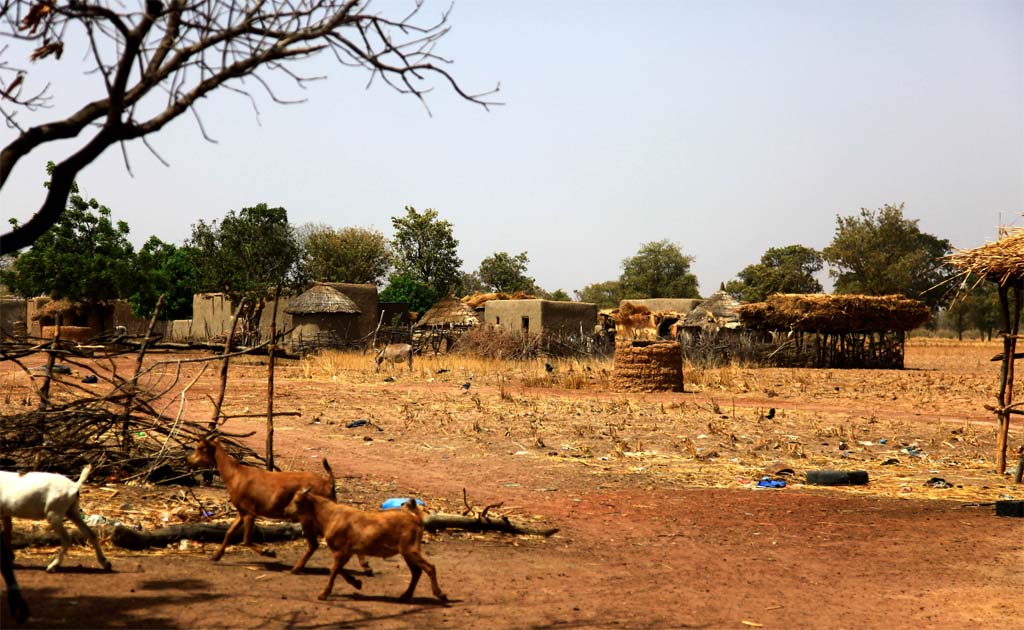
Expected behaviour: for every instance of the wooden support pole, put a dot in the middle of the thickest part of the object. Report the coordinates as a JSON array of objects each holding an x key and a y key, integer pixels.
[
  {"x": 270, "y": 380},
  {"x": 215, "y": 416}
]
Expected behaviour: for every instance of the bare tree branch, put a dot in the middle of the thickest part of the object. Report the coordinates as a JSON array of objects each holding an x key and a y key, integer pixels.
[{"x": 187, "y": 50}]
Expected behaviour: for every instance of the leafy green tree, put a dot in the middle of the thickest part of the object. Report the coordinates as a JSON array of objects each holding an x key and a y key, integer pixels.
[
  {"x": 164, "y": 268},
  {"x": 558, "y": 295},
  {"x": 882, "y": 253},
  {"x": 84, "y": 256},
  {"x": 470, "y": 283},
  {"x": 982, "y": 307},
  {"x": 659, "y": 269},
  {"x": 416, "y": 294},
  {"x": 604, "y": 294},
  {"x": 351, "y": 254},
  {"x": 506, "y": 273},
  {"x": 246, "y": 253},
  {"x": 426, "y": 250},
  {"x": 787, "y": 269}
]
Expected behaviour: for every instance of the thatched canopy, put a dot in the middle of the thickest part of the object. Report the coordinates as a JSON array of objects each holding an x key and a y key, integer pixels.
[
  {"x": 64, "y": 306},
  {"x": 449, "y": 311},
  {"x": 1000, "y": 261},
  {"x": 720, "y": 309},
  {"x": 817, "y": 312},
  {"x": 321, "y": 298}
]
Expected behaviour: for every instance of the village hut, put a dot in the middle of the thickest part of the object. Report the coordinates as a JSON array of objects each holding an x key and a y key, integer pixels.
[
  {"x": 444, "y": 323},
  {"x": 542, "y": 317},
  {"x": 1002, "y": 262},
  {"x": 642, "y": 362},
  {"x": 718, "y": 312},
  {"x": 839, "y": 331},
  {"x": 323, "y": 317},
  {"x": 79, "y": 321}
]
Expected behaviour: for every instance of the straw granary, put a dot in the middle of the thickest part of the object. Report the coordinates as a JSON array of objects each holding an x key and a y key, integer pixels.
[
  {"x": 1002, "y": 262},
  {"x": 323, "y": 316}
]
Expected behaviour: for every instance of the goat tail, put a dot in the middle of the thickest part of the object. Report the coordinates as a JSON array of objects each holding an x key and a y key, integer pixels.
[
  {"x": 84, "y": 475},
  {"x": 330, "y": 473}
]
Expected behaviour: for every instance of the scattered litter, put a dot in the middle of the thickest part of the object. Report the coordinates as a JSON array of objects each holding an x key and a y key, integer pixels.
[
  {"x": 521, "y": 453},
  {"x": 355, "y": 424},
  {"x": 768, "y": 482},
  {"x": 91, "y": 379},
  {"x": 58, "y": 368},
  {"x": 890, "y": 461},
  {"x": 882, "y": 440},
  {"x": 389, "y": 379},
  {"x": 441, "y": 371},
  {"x": 938, "y": 482},
  {"x": 913, "y": 450},
  {"x": 398, "y": 502}
]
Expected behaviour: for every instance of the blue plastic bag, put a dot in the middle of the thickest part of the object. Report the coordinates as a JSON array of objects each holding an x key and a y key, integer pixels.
[
  {"x": 392, "y": 504},
  {"x": 768, "y": 482}
]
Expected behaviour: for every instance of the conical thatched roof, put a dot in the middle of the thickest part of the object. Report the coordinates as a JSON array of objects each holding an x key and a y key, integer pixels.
[
  {"x": 449, "y": 311},
  {"x": 64, "y": 306},
  {"x": 720, "y": 309},
  {"x": 1001, "y": 260},
  {"x": 321, "y": 298},
  {"x": 817, "y": 312}
]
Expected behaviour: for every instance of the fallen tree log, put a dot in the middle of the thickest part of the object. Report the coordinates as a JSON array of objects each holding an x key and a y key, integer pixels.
[{"x": 137, "y": 539}]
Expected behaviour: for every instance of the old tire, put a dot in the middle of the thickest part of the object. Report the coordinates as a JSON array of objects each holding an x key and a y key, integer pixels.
[
  {"x": 1010, "y": 508},
  {"x": 837, "y": 477}
]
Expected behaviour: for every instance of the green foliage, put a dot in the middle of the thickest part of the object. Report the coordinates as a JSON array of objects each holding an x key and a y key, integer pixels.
[
  {"x": 245, "y": 254},
  {"x": 505, "y": 273},
  {"x": 470, "y": 284},
  {"x": 84, "y": 256},
  {"x": 787, "y": 269},
  {"x": 164, "y": 268},
  {"x": 558, "y": 295},
  {"x": 426, "y": 250},
  {"x": 351, "y": 254},
  {"x": 658, "y": 270},
  {"x": 603, "y": 294},
  {"x": 882, "y": 253},
  {"x": 417, "y": 295},
  {"x": 976, "y": 308}
]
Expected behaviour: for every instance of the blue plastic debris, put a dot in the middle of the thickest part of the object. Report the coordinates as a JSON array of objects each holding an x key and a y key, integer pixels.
[
  {"x": 768, "y": 482},
  {"x": 398, "y": 502}
]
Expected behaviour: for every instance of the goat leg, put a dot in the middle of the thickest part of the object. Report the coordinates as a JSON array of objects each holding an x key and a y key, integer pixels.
[
  {"x": 224, "y": 545},
  {"x": 309, "y": 531},
  {"x": 65, "y": 542},
  {"x": 249, "y": 520},
  {"x": 89, "y": 534}
]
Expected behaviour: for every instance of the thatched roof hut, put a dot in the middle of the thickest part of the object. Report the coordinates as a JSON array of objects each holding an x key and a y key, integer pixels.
[
  {"x": 449, "y": 311},
  {"x": 818, "y": 312},
  {"x": 721, "y": 310},
  {"x": 322, "y": 298},
  {"x": 999, "y": 261}
]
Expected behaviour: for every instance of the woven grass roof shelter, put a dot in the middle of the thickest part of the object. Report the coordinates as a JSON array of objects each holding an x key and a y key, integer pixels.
[
  {"x": 321, "y": 298},
  {"x": 1002, "y": 262},
  {"x": 817, "y": 312},
  {"x": 720, "y": 309},
  {"x": 477, "y": 300},
  {"x": 448, "y": 311}
]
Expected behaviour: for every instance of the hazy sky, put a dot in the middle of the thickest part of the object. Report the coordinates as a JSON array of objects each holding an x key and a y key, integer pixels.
[{"x": 727, "y": 127}]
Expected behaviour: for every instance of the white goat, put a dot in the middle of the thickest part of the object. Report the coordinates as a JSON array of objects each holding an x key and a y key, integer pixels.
[{"x": 46, "y": 496}]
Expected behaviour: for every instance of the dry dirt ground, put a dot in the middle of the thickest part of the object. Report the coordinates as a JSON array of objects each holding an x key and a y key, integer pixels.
[{"x": 660, "y": 521}]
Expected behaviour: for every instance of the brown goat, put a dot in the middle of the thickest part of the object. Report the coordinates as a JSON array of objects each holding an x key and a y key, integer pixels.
[
  {"x": 255, "y": 492},
  {"x": 348, "y": 531}
]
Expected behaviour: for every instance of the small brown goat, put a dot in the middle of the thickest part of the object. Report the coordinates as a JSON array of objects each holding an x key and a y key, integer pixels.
[
  {"x": 255, "y": 492},
  {"x": 348, "y": 531}
]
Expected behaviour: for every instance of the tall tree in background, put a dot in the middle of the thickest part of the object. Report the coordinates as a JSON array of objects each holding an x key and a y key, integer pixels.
[
  {"x": 84, "y": 256},
  {"x": 426, "y": 251},
  {"x": 506, "y": 273},
  {"x": 351, "y": 254},
  {"x": 788, "y": 269},
  {"x": 658, "y": 270},
  {"x": 245, "y": 254},
  {"x": 604, "y": 294},
  {"x": 164, "y": 268},
  {"x": 882, "y": 253},
  {"x": 417, "y": 295},
  {"x": 153, "y": 61}
]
